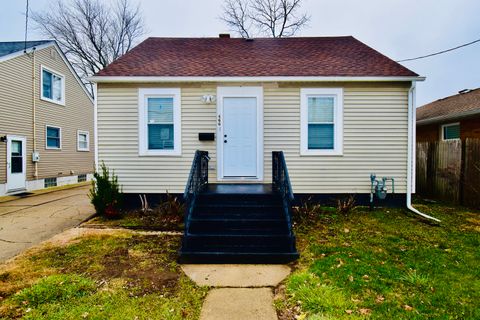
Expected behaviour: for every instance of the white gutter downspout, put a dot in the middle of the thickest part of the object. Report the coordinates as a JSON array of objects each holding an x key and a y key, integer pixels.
[
  {"x": 95, "y": 123},
  {"x": 410, "y": 151}
]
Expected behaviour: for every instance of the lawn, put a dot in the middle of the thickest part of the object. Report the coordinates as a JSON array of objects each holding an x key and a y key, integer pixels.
[
  {"x": 120, "y": 275},
  {"x": 385, "y": 264}
]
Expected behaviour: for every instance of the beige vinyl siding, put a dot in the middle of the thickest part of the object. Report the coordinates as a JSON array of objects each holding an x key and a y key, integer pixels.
[
  {"x": 375, "y": 137},
  {"x": 118, "y": 139},
  {"x": 16, "y": 109},
  {"x": 76, "y": 114},
  {"x": 15, "y": 106}
]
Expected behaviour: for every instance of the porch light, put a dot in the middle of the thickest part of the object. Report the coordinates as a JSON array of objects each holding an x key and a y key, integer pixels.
[{"x": 209, "y": 99}]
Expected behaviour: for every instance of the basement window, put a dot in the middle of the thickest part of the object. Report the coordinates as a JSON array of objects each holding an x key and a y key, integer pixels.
[
  {"x": 159, "y": 117},
  {"x": 321, "y": 114},
  {"x": 50, "y": 182},
  {"x": 451, "y": 131},
  {"x": 82, "y": 178}
]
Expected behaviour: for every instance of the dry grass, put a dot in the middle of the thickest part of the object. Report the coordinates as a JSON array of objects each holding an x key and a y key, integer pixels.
[{"x": 131, "y": 274}]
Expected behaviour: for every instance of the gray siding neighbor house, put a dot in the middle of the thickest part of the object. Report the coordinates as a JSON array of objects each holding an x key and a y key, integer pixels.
[{"x": 47, "y": 119}]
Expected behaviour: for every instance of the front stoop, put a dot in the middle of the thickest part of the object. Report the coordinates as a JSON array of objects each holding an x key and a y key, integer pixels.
[{"x": 238, "y": 225}]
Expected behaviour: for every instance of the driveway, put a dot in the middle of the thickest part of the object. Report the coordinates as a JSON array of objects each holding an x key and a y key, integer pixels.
[{"x": 28, "y": 221}]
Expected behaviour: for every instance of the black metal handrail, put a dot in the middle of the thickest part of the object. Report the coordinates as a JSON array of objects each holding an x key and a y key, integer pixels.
[
  {"x": 281, "y": 183},
  {"x": 197, "y": 181}
]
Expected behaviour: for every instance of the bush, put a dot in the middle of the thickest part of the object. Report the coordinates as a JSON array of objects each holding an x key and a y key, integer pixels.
[
  {"x": 106, "y": 194},
  {"x": 172, "y": 206},
  {"x": 307, "y": 211},
  {"x": 345, "y": 205}
]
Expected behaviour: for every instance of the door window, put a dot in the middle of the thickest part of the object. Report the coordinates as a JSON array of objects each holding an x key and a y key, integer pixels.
[{"x": 17, "y": 157}]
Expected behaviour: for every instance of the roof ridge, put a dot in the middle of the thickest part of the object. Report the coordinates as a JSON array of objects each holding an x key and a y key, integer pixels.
[{"x": 259, "y": 38}]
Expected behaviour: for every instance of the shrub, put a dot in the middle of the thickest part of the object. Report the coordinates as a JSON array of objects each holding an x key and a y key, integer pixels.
[
  {"x": 308, "y": 210},
  {"x": 172, "y": 206},
  {"x": 345, "y": 205},
  {"x": 106, "y": 194}
]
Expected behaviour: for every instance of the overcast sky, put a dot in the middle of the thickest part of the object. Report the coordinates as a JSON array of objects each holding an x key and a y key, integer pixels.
[{"x": 398, "y": 28}]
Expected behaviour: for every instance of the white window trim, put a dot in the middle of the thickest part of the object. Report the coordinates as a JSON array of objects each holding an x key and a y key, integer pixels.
[
  {"x": 143, "y": 94},
  {"x": 46, "y": 137},
  {"x": 58, "y": 74},
  {"x": 448, "y": 125},
  {"x": 337, "y": 93},
  {"x": 87, "y": 133}
]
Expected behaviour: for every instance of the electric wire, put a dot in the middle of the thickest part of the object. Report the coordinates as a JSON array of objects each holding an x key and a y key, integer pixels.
[{"x": 440, "y": 52}]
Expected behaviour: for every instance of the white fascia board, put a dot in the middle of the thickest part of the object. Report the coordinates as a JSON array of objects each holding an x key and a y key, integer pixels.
[{"x": 120, "y": 79}]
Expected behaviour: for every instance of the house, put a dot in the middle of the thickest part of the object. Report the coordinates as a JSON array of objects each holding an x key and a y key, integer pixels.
[
  {"x": 453, "y": 117},
  {"x": 274, "y": 120},
  {"x": 46, "y": 122}
]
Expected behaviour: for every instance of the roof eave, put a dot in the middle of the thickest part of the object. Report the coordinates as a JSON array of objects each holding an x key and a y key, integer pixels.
[
  {"x": 22, "y": 52},
  {"x": 453, "y": 116},
  {"x": 127, "y": 79}
]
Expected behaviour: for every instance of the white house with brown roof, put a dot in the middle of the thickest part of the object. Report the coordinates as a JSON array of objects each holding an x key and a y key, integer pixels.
[
  {"x": 47, "y": 119},
  {"x": 245, "y": 127},
  {"x": 337, "y": 108}
]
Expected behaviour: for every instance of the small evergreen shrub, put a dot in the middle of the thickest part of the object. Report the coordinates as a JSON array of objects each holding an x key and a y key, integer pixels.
[{"x": 106, "y": 193}]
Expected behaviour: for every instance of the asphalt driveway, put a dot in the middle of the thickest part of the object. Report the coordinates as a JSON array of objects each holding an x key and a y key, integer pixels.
[{"x": 28, "y": 221}]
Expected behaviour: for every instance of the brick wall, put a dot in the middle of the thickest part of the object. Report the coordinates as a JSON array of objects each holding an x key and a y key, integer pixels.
[{"x": 469, "y": 128}]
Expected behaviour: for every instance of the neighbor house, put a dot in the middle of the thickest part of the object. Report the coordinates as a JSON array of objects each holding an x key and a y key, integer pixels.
[
  {"x": 337, "y": 110},
  {"x": 450, "y": 118},
  {"x": 47, "y": 119}
]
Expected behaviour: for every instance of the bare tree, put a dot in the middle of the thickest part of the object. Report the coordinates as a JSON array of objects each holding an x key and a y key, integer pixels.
[
  {"x": 91, "y": 33},
  {"x": 274, "y": 18}
]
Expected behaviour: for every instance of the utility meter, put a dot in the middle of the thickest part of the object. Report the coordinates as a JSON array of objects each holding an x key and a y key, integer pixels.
[{"x": 35, "y": 156}]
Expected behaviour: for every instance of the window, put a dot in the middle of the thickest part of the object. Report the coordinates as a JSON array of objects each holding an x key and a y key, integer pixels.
[
  {"x": 53, "y": 138},
  {"x": 159, "y": 129},
  {"x": 52, "y": 86},
  {"x": 50, "y": 182},
  {"x": 81, "y": 178},
  {"x": 451, "y": 131},
  {"x": 83, "y": 141},
  {"x": 16, "y": 156},
  {"x": 321, "y": 113}
]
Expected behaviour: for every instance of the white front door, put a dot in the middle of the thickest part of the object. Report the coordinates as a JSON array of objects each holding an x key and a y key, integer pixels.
[
  {"x": 240, "y": 134},
  {"x": 16, "y": 163}
]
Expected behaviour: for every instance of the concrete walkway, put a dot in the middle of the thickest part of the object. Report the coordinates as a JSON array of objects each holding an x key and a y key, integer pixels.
[
  {"x": 240, "y": 291},
  {"x": 31, "y": 220}
]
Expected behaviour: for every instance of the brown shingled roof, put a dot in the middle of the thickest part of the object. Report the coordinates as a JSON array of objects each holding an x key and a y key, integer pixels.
[
  {"x": 236, "y": 57},
  {"x": 451, "y": 107}
]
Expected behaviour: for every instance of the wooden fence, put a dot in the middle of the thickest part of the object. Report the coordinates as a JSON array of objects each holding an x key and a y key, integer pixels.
[{"x": 449, "y": 170}]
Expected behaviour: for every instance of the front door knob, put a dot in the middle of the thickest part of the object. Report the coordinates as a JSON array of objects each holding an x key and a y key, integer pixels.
[{"x": 225, "y": 141}]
